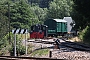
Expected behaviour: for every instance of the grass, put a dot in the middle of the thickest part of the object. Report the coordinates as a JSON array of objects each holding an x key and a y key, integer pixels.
[{"x": 40, "y": 52}]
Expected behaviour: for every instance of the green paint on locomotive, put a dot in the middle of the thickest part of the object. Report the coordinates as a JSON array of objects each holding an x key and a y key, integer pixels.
[{"x": 56, "y": 26}]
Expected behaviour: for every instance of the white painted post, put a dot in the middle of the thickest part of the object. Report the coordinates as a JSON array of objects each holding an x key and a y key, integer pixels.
[
  {"x": 15, "y": 45},
  {"x": 26, "y": 43}
]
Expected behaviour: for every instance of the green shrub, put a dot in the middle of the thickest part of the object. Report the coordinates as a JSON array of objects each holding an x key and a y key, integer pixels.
[
  {"x": 19, "y": 50},
  {"x": 85, "y": 35}
]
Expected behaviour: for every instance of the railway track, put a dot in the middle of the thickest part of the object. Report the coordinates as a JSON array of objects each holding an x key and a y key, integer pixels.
[
  {"x": 42, "y": 41},
  {"x": 75, "y": 45},
  {"x": 25, "y": 58},
  {"x": 68, "y": 50},
  {"x": 72, "y": 51}
]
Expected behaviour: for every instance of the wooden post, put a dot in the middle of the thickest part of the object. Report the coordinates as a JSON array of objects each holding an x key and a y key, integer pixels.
[{"x": 50, "y": 53}]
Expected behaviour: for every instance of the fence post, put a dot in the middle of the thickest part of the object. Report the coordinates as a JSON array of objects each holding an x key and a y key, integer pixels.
[
  {"x": 50, "y": 53},
  {"x": 26, "y": 43},
  {"x": 15, "y": 45}
]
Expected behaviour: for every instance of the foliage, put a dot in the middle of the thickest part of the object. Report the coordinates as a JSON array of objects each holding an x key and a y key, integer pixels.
[
  {"x": 4, "y": 23},
  {"x": 20, "y": 48},
  {"x": 21, "y": 15},
  {"x": 40, "y": 52},
  {"x": 83, "y": 14},
  {"x": 84, "y": 35},
  {"x": 44, "y": 3},
  {"x": 41, "y": 3},
  {"x": 60, "y": 8},
  {"x": 79, "y": 19},
  {"x": 40, "y": 13},
  {"x": 29, "y": 50},
  {"x": 4, "y": 44}
]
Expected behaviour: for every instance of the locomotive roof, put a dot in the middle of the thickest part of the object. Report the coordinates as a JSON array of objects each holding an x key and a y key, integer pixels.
[{"x": 60, "y": 20}]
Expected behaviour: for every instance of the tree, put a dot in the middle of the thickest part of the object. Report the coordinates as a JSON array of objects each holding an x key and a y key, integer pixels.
[
  {"x": 21, "y": 15},
  {"x": 41, "y": 3},
  {"x": 4, "y": 23},
  {"x": 4, "y": 27},
  {"x": 60, "y": 8},
  {"x": 82, "y": 9},
  {"x": 40, "y": 13},
  {"x": 44, "y": 3},
  {"x": 82, "y": 18}
]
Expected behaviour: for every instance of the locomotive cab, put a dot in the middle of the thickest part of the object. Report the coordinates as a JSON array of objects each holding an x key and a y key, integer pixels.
[{"x": 38, "y": 31}]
